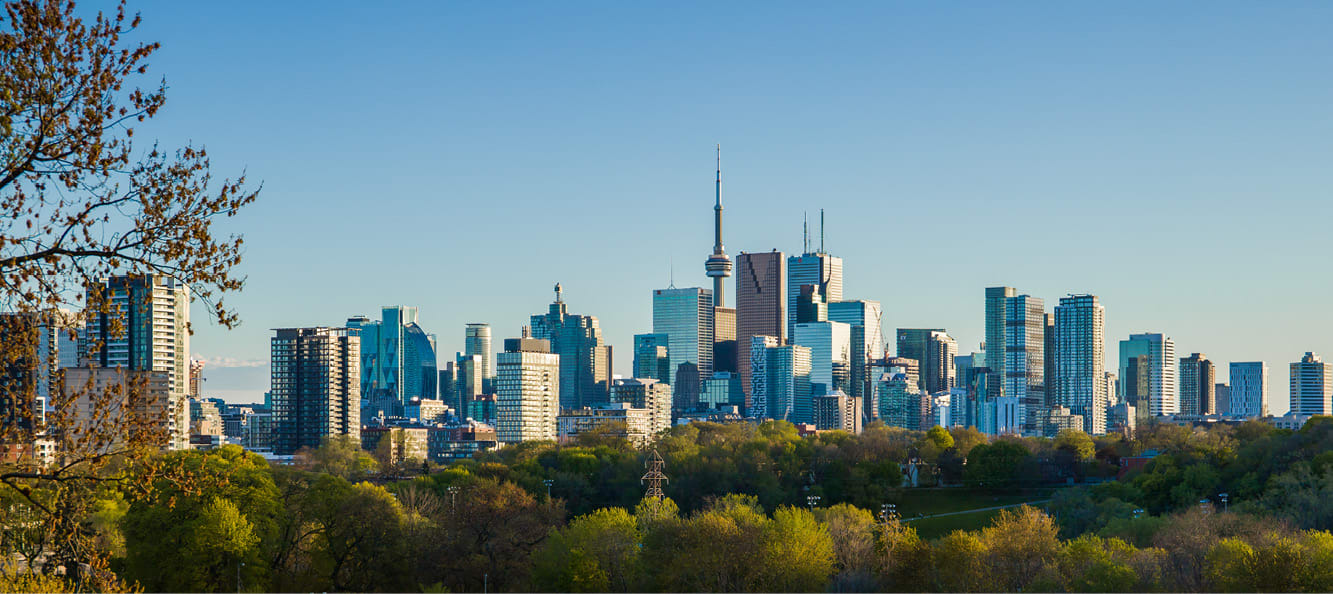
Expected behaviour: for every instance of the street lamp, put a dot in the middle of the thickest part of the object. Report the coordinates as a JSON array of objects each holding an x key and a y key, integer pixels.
[
  {"x": 548, "y": 483},
  {"x": 812, "y": 500},
  {"x": 1225, "y": 505},
  {"x": 453, "y": 497},
  {"x": 888, "y": 511}
]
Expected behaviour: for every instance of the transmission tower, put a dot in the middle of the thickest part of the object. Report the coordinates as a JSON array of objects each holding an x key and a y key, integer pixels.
[{"x": 654, "y": 477}]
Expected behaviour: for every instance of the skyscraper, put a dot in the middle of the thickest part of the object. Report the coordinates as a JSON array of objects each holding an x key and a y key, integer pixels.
[
  {"x": 760, "y": 278},
  {"x": 685, "y": 316},
  {"x": 867, "y": 339},
  {"x": 995, "y": 329},
  {"x": 718, "y": 268},
  {"x": 1148, "y": 375},
  {"x": 651, "y": 357},
  {"x": 37, "y": 346},
  {"x": 1311, "y": 386},
  {"x": 1249, "y": 389},
  {"x": 398, "y": 360},
  {"x": 316, "y": 386},
  {"x": 527, "y": 391},
  {"x": 757, "y": 391},
  {"x": 154, "y": 313},
  {"x": 830, "y": 345},
  {"x": 468, "y": 381},
  {"x": 477, "y": 341},
  {"x": 1025, "y": 358},
  {"x": 1080, "y": 360},
  {"x": 818, "y": 269},
  {"x": 788, "y": 380},
  {"x": 934, "y": 350},
  {"x": 585, "y": 359},
  {"x": 1197, "y": 379}
]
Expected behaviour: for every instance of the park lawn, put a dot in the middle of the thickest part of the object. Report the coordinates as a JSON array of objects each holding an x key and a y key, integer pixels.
[
  {"x": 925, "y": 502},
  {"x": 933, "y": 528}
]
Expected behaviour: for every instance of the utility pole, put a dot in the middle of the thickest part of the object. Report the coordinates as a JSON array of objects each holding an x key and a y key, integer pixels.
[{"x": 654, "y": 477}]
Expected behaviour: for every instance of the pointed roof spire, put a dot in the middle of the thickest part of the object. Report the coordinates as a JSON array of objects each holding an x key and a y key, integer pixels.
[{"x": 718, "y": 204}]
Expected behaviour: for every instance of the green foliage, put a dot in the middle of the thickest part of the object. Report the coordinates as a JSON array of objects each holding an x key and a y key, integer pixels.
[
  {"x": 1075, "y": 442},
  {"x": 339, "y": 455},
  {"x": 996, "y": 466}
]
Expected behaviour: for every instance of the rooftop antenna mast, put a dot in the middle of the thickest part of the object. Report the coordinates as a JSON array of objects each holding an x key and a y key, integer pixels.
[
  {"x": 654, "y": 477},
  {"x": 821, "y": 230},
  {"x": 671, "y": 273},
  {"x": 805, "y": 233}
]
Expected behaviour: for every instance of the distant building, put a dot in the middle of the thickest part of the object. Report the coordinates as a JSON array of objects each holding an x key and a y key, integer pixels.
[
  {"x": 1059, "y": 419},
  {"x": 618, "y": 418},
  {"x": 398, "y": 359},
  {"x": 477, "y": 341},
  {"x": 685, "y": 316},
  {"x": 900, "y": 403},
  {"x": 154, "y": 313},
  {"x": 1120, "y": 418},
  {"x": 789, "y": 369},
  {"x": 830, "y": 345},
  {"x": 723, "y": 389},
  {"x": 426, "y": 410},
  {"x": 651, "y": 357},
  {"x": 1197, "y": 380},
  {"x": 838, "y": 410},
  {"x": 37, "y": 346},
  {"x": 100, "y": 396},
  {"x": 757, "y": 392},
  {"x": 470, "y": 380},
  {"x": 934, "y": 350},
  {"x": 1290, "y": 421},
  {"x": 456, "y": 442},
  {"x": 1079, "y": 383},
  {"x": 481, "y": 409},
  {"x": 867, "y": 339},
  {"x": 527, "y": 382},
  {"x": 399, "y": 445},
  {"x": 818, "y": 269},
  {"x": 1223, "y": 394},
  {"x": 585, "y": 359},
  {"x": 647, "y": 394},
  {"x": 1311, "y": 386},
  {"x": 205, "y": 419},
  {"x": 316, "y": 386},
  {"x": 760, "y": 307},
  {"x": 1148, "y": 375},
  {"x": 196, "y": 378},
  {"x": 1249, "y": 389}
]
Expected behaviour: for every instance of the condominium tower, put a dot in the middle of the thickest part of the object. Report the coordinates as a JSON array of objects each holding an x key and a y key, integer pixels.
[
  {"x": 1197, "y": 392},
  {"x": 315, "y": 386},
  {"x": 1148, "y": 375},
  {"x": 1311, "y": 386},
  {"x": 1249, "y": 389},
  {"x": 1080, "y": 360},
  {"x": 527, "y": 386}
]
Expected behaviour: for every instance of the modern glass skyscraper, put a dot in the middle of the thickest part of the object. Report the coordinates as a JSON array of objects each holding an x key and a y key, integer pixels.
[
  {"x": 651, "y": 357},
  {"x": 1080, "y": 360},
  {"x": 316, "y": 386},
  {"x": 760, "y": 308},
  {"x": 1025, "y": 358},
  {"x": 1197, "y": 379},
  {"x": 1249, "y": 389},
  {"x": 1311, "y": 386},
  {"x": 788, "y": 380},
  {"x": 934, "y": 350},
  {"x": 830, "y": 345},
  {"x": 818, "y": 269},
  {"x": 154, "y": 313},
  {"x": 867, "y": 339},
  {"x": 398, "y": 361},
  {"x": 1148, "y": 375},
  {"x": 585, "y": 359},
  {"x": 685, "y": 316},
  {"x": 527, "y": 386},
  {"x": 995, "y": 329},
  {"x": 477, "y": 341}
]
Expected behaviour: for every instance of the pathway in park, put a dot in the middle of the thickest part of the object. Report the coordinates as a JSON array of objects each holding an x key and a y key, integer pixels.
[{"x": 973, "y": 511}]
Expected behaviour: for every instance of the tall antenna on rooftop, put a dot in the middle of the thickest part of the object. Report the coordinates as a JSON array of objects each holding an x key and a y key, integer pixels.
[
  {"x": 805, "y": 233},
  {"x": 821, "y": 230}
]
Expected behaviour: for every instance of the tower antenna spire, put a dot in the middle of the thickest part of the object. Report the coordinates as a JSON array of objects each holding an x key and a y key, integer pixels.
[
  {"x": 718, "y": 265},
  {"x": 805, "y": 233},
  {"x": 821, "y": 230},
  {"x": 718, "y": 192}
]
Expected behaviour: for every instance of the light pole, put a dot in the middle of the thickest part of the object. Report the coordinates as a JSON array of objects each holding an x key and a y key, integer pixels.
[
  {"x": 887, "y": 512},
  {"x": 548, "y": 483},
  {"x": 453, "y": 498},
  {"x": 238, "y": 577},
  {"x": 812, "y": 500},
  {"x": 1225, "y": 506}
]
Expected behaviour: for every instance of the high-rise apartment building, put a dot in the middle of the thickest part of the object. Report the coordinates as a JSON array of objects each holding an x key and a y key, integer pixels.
[
  {"x": 788, "y": 382},
  {"x": 839, "y": 411},
  {"x": 527, "y": 386},
  {"x": 146, "y": 327},
  {"x": 867, "y": 339},
  {"x": 1249, "y": 389},
  {"x": 899, "y": 401},
  {"x": 934, "y": 350},
  {"x": 477, "y": 341},
  {"x": 1079, "y": 383},
  {"x": 685, "y": 316},
  {"x": 316, "y": 386},
  {"x": 1024, "y": 355},
  {"x": 1148, "y": 375},
  {"x": 996, "y": 297},
  {"x": 1197, "y": 378},
  {"x": 1311, "y": 386},
  {"x": 647, "y": 394},
  {"x": 820, "y": 270},
  {"x": 1222, "y": 393},
  {"x": 585, "y": 359},
  {"x": 760, "y": 307},
  {"x": 468, "y": 381},
  {"x": 757, "y": 392},
  {"x": 36, "y": 347}
]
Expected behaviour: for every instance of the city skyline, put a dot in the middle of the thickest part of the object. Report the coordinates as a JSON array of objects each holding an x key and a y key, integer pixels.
[{"x": 1101, "y": 138}]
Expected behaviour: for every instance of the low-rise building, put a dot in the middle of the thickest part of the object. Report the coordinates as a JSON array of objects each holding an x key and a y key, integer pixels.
[
  {"x": 621, "y": 419},
  {"x": 456, "y": 442},
  {"x": 396, "y": 444}
]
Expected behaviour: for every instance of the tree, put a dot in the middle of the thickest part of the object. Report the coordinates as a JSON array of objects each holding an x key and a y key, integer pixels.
[
  {"x": 598, "y": 552},
  {"x": 79, "y": 201},
  {"x": 1019, "y": 544},
  {"x": 1075, "y": 442},
  {"x": 853, "y": 533},
  {"x": 996, "y": 465},
  {"x": 797, "y": 553},
  {"x": 338, "y": 455},
  {"x": 940, "y": 437}
]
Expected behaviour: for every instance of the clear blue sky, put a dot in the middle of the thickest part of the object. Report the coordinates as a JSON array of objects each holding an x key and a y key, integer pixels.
[{"x": 463, "y": 157}]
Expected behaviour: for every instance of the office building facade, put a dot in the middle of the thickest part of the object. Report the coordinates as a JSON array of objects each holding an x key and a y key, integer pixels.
[
  {"x": 585, "y": 359},
  {"x": 1249, "y": 389},
  {"x": 818, "y": 269},
  {"x": 1148, "y": 375},
  {"x": 685, "y": 316},
  {"x": 760, "y": 307}
]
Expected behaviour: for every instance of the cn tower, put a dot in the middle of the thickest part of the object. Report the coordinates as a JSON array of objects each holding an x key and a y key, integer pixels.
[{"x": 718, "y": 266}]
